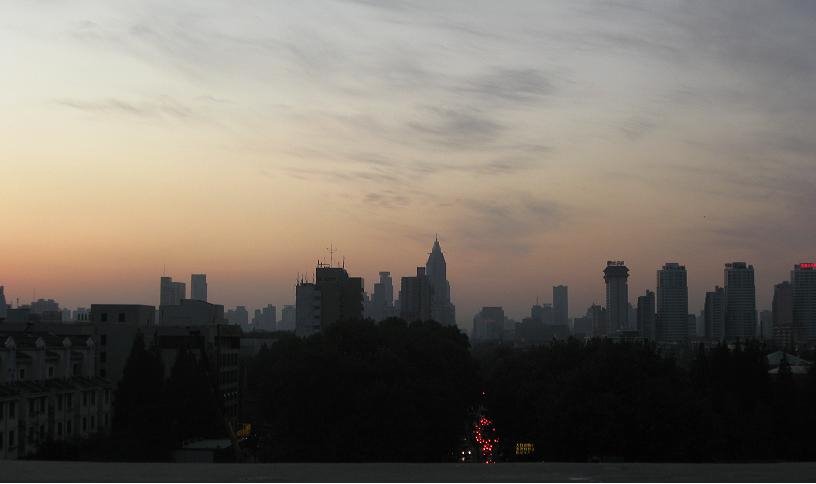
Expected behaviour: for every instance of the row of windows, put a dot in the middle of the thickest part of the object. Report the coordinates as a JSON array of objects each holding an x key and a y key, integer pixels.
[
  {"x": 11, "y": 442},
  {"x": 64, "y": 400},
  {"x": 86, "y": 425},
  {"x": 8, "y": 410},
  {"x": 228, "y": 359},
  {"x": 21, "y": 372}
]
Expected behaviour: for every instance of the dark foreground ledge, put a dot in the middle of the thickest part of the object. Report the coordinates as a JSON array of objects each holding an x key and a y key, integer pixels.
[{"x": 38, "y": 471}]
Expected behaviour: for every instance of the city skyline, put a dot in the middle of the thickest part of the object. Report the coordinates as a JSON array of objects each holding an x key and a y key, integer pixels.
[
  {"x": 539, "y": 141},
  {"x": 177, "y": 291}
]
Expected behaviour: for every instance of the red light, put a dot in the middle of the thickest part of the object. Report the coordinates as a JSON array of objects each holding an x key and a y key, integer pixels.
[{"x": 807, "y": 265}]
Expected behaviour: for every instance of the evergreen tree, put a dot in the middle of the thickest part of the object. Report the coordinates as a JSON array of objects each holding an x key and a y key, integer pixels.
[{"x": 139, "y": 419}]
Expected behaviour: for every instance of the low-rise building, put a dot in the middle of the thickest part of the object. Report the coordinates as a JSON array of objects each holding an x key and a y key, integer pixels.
[{"x": 49, "y": 391}]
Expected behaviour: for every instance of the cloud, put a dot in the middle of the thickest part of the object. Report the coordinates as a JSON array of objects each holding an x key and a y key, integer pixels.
[
  {"x": 510, "y": 221},
  {"x": 457, "y": 128},
  {"x": 163, "y": 107}
]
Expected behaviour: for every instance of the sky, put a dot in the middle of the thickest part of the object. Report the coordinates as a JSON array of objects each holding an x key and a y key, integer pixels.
[{"x": 538, "y": 139}]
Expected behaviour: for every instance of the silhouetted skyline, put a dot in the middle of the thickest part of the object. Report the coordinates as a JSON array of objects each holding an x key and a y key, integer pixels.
[{"x": 539, "y": 139}]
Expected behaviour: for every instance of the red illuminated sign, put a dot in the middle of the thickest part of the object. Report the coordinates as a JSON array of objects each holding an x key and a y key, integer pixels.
[{"x": 807, "y": 265}]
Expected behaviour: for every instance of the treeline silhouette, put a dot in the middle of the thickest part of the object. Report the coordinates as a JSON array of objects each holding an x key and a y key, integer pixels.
[
  {"x": 397, "y": 391},
  {"x": 603, "y": 400},
  {"x": 361, "y": 391}
]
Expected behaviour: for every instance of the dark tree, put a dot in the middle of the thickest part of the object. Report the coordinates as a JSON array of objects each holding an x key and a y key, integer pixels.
[
  {"x": 365, "y": 392},
  {"x": 190, "y": 403},
  {"x": 139, "y": 414}
]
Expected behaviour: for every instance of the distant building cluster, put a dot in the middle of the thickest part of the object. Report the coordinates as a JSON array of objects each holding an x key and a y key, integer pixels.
[{"x": 730, "y": 312}]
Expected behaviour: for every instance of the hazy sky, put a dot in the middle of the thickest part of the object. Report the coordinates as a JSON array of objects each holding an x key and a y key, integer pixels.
[{"x": 539, "y": 139}]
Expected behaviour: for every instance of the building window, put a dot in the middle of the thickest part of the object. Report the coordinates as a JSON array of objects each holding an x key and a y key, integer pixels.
[
  {"x": 50, "y": 372},
  {"x": 42, "y": 404},
  {"x": 106, "y": 420},
  {"x": 107, "y": 395},
  {"x": 59, "y": 403},
  {"x": 93, "y": 398},
  {"x": 32, "y": 408},
  {"x": 12, "y": 442},
  {"x": 84, "y": 424},
  {"x": 59, "y": 429},
  {"x": 103, "y": 317},
  {"x": 2, "y": 407},
  {"x": 42, "y": 433},
  {"x": 103, "y": 356},
  {"x": 12, "y": 409},
  {"x": 84, "y": 403},
  {"x": 68, "y": 427},
  {"x": 121, "y": 317},
  {"x": 103, "y": 339},
  {"x": 69, "y": 402},
  {"x": 103, "y": 373},
  {"x": 21, "y": 373},
  {"x": 93, "y": 422},
  {"x": 76, "y": 369}
]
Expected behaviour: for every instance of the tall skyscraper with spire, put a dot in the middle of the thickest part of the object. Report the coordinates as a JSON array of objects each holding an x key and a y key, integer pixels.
[{"x": 436, "y": 269}]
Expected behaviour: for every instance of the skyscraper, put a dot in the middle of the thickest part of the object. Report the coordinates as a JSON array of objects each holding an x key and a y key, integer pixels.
[
  {"x": 561, "y": 304},
  {"x": 3, "y": 305},
  {"x": 382, "y": 300},
  {"x": 646, "y": 315},
  {"x": 442, "y": 310},
  {"x": 171, "y": 293},
  {"x": 617, "y": 295},
  {"x": 307, "y": 309},
  {"x": 715, "y": 314},
  {"x": 416, "y": 297},
  {"x": 740, "y": 301},
  {"x": 672, "y": 303},
  {"x": 341, "y": 296},
  {"x": 803, "y": 280},
  {"x": 198, "y": 287},
  {"x": 784, "y": 334},
  {"x": 488, "y": 325},
  {"x": 288, "y": 318}
]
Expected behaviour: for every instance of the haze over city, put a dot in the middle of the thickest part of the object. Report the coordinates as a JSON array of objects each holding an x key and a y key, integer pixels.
[{"x": 538, "y": 141}]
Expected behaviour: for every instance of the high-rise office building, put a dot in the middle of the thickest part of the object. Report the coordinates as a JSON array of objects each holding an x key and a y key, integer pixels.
[
  {"x": 672, "y": 303},
  {"x": 288, "y": 318},
  {"x": 3, "y": 305},
  {"x": 766, "y": 325},
  {"x": 784, "y": 333},
  {"x": 646, "y": 315},
  {"x": 171, "y": 293},
  {"x": 341, "y": 296},
  {"x": 198, "y": 287},
  {"x": 561, "y": 304},
  {"x": 436, "y": 269},
  {"x": 803, "y": 280},
  {"x": 307, "y": 309},
  {"x": 740, "y": 301},
  {"x": 333, "y": 297},
  {"x": 265, "y": 319},
  {"x": 715, "y": 314},
  {"x": 416, "y": 297},
  {"x": 382, "y": 300},
  {"x": 239, "y": 316},
  {"x": 488, "y": 325},
  {"x": 600, "y": 321},
  {"x": 617, "y": 296}
]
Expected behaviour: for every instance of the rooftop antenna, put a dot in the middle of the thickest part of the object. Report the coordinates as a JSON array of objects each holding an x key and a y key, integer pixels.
[
  {"x": 344, "y": 262},
  {"x": 332, "y": 249}
]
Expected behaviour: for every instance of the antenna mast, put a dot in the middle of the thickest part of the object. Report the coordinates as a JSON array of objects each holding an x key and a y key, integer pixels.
[{"x": 332, "y": 249}]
